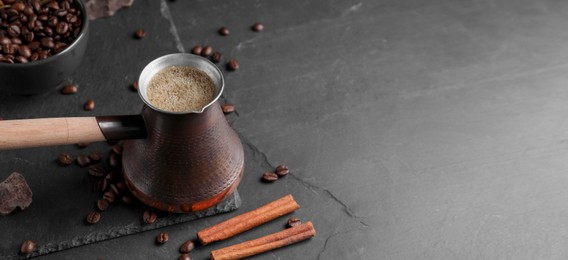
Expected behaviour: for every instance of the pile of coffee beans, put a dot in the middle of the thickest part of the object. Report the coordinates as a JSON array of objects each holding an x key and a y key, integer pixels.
[{"x": 32, "y": 30}]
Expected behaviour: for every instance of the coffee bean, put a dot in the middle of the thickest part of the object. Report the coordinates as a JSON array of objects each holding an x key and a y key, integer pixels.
[
  {"x": 184, "y": 257},
  {"x": 95, "y": 156},
  {"x": 25, "y": 51},
  {"x": 114, "y": 159},
  {"x": 111, "y": 176},
  {"x": 186, "y": 247},
  {"x": 18, "y": 6},
  {"x": 93, "y": 217},
  {"x": 27, "y": 247},
  {"x": 269, "y": 177},
  {"x": 52, "y": 21},
  {"x": 21, "y": 59},
  {"x": 47, "y": 42},
  {"x": 149, "y": 217},
  {"x": 8, "y": 48},
  {"x": 69, "y": 89},
  {"x": 65, "y": 159},
  {"x": 117, "y": 149},
  {"x": 224, "y": 31},
  {"x": 53, "y": 5},
  {"x": 109, "y": 196},
  {"x": 197, "y": 50},
  {"x": 140, "y": 33},
  {"x": 216, "y": 57},
  {"x": 227, "y": 108},
  {"x": 127, "y": 199},
  {"x": 114, "y": 189},
  {"x": 13, "y": 30},
  {"x": 233, "y": 64},
  {"x": 162, "y": 238},
  {"x": 82, "y": 145},
  {"x": 134, "y": 85},
  {"x": 294, "y": 221},
  {"x": 120, "y": 186},
  {"x": 206, "y": 51},
  {"x": 102, "y": 204},
  {"x": 97, "y": 170},
  {"x": 5, "y": 40},
  {"x": 83, "y": 160},
  {"x": 282, "y": 170},
  {"x": 102, "y": 185},
  {"x": 62, "y": 28},
  {"x": 257, "y": 27},
  {"x": 89, "y": 105}
]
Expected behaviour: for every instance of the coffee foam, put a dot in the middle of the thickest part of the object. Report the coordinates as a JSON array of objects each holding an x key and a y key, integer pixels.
[{"x": 180, "y": 89}]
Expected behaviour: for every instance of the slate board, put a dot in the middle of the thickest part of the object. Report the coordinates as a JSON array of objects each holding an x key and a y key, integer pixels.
[{"x": 63, "y": 196}]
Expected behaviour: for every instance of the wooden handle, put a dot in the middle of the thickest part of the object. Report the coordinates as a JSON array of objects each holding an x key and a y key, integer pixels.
[{"x": 48, "y": 132}]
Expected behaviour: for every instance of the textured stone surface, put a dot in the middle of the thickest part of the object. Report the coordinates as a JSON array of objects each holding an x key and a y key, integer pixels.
[
  {"x": 413, "y": 129},
  {"x": 116, "y": 225}
]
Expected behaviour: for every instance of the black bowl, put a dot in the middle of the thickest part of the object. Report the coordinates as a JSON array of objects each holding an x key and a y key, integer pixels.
[{"x": 43, "y": 75}]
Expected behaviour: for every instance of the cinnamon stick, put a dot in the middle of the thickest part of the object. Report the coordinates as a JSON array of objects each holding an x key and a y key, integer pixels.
[
  {"x": 249, "y": 220},
  {"x": 260, "y": 245}
]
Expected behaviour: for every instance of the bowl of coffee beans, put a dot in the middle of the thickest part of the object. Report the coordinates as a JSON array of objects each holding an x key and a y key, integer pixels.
[{"x": 41, "y": 43}]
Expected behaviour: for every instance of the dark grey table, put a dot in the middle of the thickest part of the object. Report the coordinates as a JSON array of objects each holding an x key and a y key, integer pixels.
[{"x": 413, "y": 129}]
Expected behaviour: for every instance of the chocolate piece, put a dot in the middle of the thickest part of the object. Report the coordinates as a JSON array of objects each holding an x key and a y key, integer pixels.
[
  {"x": 14, "y": 193},
  {"x": 103, "y": 8}
]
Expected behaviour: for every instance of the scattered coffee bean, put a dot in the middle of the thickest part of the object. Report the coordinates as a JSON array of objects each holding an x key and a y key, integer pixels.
[
  {"x": 184, "y": 257},
  {"x": 134, "y": 85},
  {"x": 228, "y": 108},
  {"x": 257, "y": 27},
  {"x": 89, "y": 105},
  {"x": 69, "y": 89},
  {"x": 83, "y": 160},
  {"x": 117, "y": 149},
  {"x": 65, "y": 159},
  {"x": 162, "y": 238},
  {"x": 282, "y": 170},
  {"x": 27, "y": 247},
  {"x": 114, "y": 159},
  {"x": 114, "y": 189},
  {"x": 149, "y": 217},
  {"x": 269, "y": 177},
  {"x": 97, "y": 170},
  {"x": 197, "y": 50},
  {"x": 93, "y": 217},
  {"x": 102, "y": 185},
  {"x": 140, "y": 33},
  {"x": 95, "y": 156},
  {"x": 127, "y": 199},
  {"x": 111, "y": 176},
  {"x": 216, "y": 57},
  {"x": 224, "y": 31},
  {"x": 102, "y": 204},
  {"x": 294, "y": 221},
  {"x": 109, "y": 196},
  {"x": 120, "y": 186},
  {"x": 186, "y": 247},
  {"x": 233, "y": 64},
  {"x": 207, "y": 50},
  {"x": 82, "y": 145}
]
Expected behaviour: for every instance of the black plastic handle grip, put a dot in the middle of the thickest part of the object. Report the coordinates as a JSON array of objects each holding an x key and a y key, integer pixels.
[{"x": 122, "y": 127}]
